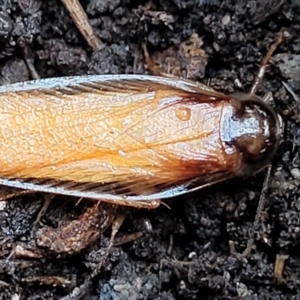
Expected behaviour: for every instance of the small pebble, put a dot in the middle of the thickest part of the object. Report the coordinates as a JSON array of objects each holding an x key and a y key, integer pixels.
[
  {"x": 295, "y": 173},
  {"x": 226, "y": 20}
]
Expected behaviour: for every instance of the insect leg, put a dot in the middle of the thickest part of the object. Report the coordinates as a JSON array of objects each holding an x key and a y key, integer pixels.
[
  {"x": 150, "y": 63},
  {"x": 136, "y": 204},
  {"x": 295, "y": 105},
  {"x": 260, "y": 208},
  {"x": 267, "y": 98},
  {"x": 153, "y": 69},
  {"x": 265, "y": 61},
  {"x": 43, "y": 210},
  {"x": 29, "y": 60},
  {"x": 16, "y": 194},
  {"x": 127, "y": 239}
]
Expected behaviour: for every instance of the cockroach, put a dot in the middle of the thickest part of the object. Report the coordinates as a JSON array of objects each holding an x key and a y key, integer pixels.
[{"x": 130, "y": 139}]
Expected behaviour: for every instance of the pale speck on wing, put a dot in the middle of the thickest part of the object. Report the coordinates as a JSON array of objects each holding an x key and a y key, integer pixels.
[{"x": 122, "y": 153}]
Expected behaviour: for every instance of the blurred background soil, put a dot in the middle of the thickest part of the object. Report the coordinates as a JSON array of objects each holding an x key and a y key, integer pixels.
[{"x": 189, "y": 252}]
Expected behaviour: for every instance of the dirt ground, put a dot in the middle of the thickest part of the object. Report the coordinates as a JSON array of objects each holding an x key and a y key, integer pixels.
[{"x": 186, "y": 251}]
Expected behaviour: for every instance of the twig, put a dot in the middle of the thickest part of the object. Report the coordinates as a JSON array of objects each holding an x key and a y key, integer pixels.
[
  {"x": 82, "y": 22},
  {"x": 262, "y": 70}
]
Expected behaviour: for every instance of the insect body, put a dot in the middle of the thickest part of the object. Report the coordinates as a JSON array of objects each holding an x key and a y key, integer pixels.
[{"x": 129, "y": 139}]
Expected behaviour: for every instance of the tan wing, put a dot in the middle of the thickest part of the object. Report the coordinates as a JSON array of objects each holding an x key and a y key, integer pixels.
[{"x": 111, "y": 135}]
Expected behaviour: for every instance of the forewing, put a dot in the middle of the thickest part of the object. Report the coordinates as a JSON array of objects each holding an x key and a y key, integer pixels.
[{"x": 121, "y": 93}]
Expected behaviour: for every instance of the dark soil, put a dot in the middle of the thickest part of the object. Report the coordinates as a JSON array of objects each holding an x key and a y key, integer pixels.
[{"x": 186, "y": 255}]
